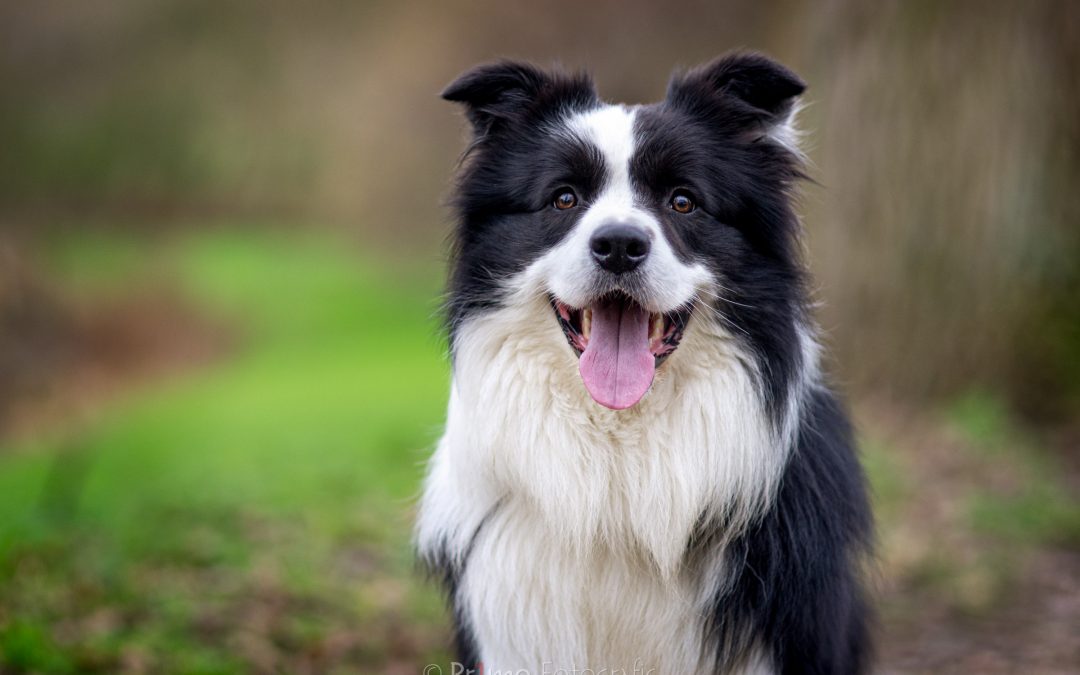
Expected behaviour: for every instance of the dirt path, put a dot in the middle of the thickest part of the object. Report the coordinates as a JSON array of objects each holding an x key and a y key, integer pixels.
[{"x": 62, "y": 357}]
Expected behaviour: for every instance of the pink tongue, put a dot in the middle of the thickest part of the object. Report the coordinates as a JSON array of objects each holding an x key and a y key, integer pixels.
[{"x": 617, "y": 366}]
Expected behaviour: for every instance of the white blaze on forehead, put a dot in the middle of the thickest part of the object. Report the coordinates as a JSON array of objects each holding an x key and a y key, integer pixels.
[{"x": 611, "y": 130}]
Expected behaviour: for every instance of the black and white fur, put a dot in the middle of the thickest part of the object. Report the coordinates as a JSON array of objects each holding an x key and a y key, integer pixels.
[{"x": 719, "y": 525}]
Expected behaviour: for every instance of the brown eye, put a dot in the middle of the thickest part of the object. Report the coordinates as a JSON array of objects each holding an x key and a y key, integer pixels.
[
  {"x": 682, "y": 202},
  {"x": 565, "y": 200}
]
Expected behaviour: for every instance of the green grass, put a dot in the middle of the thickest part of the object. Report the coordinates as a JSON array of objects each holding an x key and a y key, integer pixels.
[
  {"x": 273, "y": 487},
  {"x": 253, "y": 515},
  {"x": 1039, "y": 509},
  {"x": 964, "y": 506}
]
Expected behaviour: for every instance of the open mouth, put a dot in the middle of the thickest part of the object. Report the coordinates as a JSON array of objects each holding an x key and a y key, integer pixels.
[{"x": 620, "y": 344}]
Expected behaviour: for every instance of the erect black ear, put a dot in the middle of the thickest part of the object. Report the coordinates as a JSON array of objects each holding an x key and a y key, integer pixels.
[
  {"x": 750, "y": 78},
  {"x": 496, "y": 92}
]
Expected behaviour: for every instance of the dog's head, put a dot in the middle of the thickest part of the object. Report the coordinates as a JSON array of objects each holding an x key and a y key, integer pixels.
[{"x": 634, "y": 222}]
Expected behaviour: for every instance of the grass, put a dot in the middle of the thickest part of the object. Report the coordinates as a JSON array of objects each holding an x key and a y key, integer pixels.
[
  {"x": 1035, "y": 507},
  {"x": 968, "y": 501},
  {"x": 273, "y": 487},
  {"x": 253, "y": 515}
]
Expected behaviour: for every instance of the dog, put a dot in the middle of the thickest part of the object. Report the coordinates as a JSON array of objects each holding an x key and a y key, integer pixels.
[{"x": 643, "y": 469}]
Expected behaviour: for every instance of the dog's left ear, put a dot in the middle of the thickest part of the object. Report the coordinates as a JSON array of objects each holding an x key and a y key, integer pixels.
[{"x": 755, "y": 85}]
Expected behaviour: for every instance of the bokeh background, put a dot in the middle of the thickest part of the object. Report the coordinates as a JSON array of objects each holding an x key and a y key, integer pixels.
[{"x": 221, "y": 251}]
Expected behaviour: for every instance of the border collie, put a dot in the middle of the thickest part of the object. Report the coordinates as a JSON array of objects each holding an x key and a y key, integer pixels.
[{"x": 642, "y": 469}]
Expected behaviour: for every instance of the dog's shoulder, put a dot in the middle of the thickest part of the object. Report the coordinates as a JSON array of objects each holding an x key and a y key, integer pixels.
[{"x": 796, "y": 576}]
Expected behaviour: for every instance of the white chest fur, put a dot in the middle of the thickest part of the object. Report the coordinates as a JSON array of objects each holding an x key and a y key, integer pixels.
[{"x": 575, "y": 519}]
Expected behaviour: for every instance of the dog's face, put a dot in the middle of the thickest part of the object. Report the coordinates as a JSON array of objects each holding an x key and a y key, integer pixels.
[{"x": 634, "y": 222}]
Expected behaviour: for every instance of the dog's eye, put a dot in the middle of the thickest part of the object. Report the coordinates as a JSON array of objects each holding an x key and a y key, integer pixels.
[
  {"x": 682, "y": 201},
  {"x": 565, "y": 199}
]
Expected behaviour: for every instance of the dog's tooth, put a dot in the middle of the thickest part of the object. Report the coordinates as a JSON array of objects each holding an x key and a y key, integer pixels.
[
  {"x": 586, "y": 323},
  {"x": 656, "y": 329}
]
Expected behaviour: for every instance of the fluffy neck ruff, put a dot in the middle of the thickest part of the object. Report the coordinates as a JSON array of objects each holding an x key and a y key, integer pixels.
[{"x": 700, "y": 447}]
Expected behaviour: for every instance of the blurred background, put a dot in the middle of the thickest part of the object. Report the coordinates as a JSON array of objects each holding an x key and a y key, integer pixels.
[{"x": 221, "y": 252}]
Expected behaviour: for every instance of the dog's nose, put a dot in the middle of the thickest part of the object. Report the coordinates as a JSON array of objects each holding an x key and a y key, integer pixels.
[{"x": 619, "y": 248}]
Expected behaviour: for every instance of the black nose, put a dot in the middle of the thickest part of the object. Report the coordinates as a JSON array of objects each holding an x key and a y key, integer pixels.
[{"x": 619, "y": 248}]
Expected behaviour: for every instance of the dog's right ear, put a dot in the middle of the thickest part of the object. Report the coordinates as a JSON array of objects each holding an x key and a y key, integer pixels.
[{"x": 495, "y": 93}]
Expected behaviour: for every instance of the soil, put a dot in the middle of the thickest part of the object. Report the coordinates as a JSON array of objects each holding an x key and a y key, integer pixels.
[{"x": 62, "y": 358}]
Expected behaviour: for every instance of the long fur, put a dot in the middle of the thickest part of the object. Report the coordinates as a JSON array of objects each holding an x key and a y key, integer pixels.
[{"x": 719, "y": 524}]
